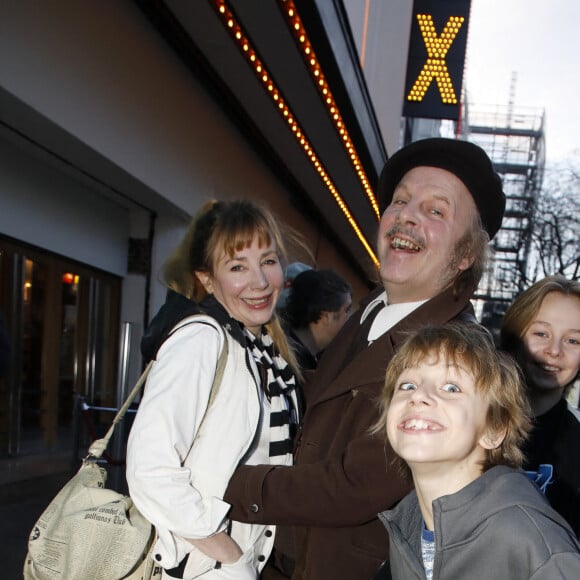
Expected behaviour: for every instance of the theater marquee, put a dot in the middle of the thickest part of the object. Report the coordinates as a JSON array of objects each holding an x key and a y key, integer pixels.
[{"x": 436, "y": 58}]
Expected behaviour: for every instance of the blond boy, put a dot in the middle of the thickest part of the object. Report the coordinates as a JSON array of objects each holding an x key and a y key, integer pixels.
[{"x": 455, "y": 412}]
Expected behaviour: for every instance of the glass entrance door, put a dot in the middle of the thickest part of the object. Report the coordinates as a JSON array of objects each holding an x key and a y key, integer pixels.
[{"x": 63, "y": 322}]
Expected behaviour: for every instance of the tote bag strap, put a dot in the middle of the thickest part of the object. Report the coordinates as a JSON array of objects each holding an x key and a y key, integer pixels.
[{"x": 99, "y": 446}]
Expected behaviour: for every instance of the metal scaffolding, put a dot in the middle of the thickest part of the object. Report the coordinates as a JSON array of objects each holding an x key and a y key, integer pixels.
[{"x": 514, "y": 140}]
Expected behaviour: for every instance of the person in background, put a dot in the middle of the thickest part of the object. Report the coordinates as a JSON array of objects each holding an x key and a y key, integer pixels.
[
  {"x": 292, "y": 270},
  {"x": 454, "y": 410},
  {"x": 229, "y": 270},
  {"x": 441, "y": 202},
  {"x": 317, "y": 308},
  {"x": 541, "y": 329}
]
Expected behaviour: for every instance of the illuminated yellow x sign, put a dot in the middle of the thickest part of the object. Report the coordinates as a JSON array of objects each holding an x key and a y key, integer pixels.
[{"x": 435, "y": 67}]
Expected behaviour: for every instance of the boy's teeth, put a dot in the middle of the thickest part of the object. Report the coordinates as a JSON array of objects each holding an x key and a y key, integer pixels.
[{"x": 416, "y": 424}]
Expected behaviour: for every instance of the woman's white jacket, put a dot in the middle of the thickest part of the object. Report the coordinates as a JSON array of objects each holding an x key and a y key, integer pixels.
[{"x": 178, "y": 482}]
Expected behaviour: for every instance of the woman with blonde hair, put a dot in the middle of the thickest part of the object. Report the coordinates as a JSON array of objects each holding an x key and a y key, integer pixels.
[
  {"x": 541, "y": 329},
  {"x": 224, "y": 280}
]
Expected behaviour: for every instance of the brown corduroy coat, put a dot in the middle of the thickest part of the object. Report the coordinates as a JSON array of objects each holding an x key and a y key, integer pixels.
[{"x": 341, "y": 478}]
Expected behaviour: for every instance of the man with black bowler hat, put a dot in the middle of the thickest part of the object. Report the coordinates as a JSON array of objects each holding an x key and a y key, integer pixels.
[{"x": 441, "y": 202}]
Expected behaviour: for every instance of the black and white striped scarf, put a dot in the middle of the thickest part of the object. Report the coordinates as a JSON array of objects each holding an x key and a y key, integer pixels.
[{"x": 279, "y": 384}]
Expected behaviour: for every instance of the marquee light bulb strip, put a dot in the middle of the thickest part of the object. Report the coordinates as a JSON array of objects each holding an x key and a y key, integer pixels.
[
  {"x": 319, "y": 80},
  {"x": 272, "y": 90}
]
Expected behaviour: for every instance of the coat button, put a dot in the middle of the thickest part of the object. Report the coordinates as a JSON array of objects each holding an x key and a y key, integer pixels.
[
  {"x": 261, "y": 558},
  {"x": 254, "y": 508},
  {"x": 268, "y": 533},
  {"x": 158, "y": 557}
]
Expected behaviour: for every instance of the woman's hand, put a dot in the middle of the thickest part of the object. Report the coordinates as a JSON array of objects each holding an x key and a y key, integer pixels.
[{"x": 220, "y": 547}]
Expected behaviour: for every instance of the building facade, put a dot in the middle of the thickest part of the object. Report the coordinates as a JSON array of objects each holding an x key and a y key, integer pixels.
[{"x": 118, "y": 119}]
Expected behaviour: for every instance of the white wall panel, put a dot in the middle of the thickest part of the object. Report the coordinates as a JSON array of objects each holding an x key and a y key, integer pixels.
[{"x": 45, "y": 207}]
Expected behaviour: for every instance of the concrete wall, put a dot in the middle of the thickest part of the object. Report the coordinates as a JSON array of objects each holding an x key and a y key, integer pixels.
[
  {"x": 385, "y": 58},
  {"x": 47, "y": 208}
]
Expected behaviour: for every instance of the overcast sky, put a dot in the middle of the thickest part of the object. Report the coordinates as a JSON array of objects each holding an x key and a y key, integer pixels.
[{"x": 540, "y": 41}]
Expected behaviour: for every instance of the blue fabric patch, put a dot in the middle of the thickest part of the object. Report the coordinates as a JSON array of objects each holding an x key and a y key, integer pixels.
[{"x": 542, "y": 477}]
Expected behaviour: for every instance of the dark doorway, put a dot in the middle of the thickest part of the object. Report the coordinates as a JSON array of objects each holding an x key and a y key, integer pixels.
[{"x": 63, "y": 323}]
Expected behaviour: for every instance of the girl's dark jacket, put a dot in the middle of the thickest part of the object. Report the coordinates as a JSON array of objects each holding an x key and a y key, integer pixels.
[
  {"x": 341, "y": 478},
  {"x": 554, "y": 441}
]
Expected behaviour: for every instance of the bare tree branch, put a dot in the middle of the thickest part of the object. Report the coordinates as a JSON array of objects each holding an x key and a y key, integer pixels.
[{"x": 555, "y": 245}]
